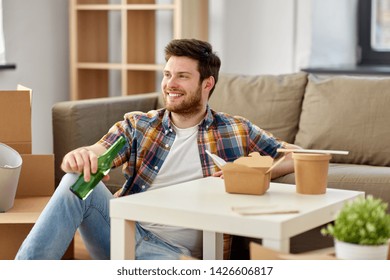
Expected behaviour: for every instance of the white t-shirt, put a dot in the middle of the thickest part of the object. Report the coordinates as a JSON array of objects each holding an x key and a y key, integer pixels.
[{"x": 181, "y": 165}]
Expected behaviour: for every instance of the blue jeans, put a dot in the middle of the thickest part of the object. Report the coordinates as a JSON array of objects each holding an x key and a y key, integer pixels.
[{"x": 65, "y": 213}]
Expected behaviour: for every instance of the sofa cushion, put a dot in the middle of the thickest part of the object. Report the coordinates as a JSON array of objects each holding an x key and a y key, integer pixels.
[
  {"x": 347, "y": 113},
  {"x": 272, "y": 102}
]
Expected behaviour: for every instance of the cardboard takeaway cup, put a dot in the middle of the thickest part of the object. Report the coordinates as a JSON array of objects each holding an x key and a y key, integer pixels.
[
  {"x": 10, "y": 166},
  {"x": 311, "y": 172}
]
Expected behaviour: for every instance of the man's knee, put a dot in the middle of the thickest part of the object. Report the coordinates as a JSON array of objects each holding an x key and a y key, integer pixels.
[{"x": 66, "y": 182}]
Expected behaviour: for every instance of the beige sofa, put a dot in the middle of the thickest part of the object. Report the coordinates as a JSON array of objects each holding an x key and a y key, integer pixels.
[{"x": 338, "y": 113}]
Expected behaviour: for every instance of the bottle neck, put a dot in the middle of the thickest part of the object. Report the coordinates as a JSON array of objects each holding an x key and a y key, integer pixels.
[{"x": 105, "y": 160}]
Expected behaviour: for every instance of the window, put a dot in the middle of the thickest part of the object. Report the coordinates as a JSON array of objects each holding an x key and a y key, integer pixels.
[{"x": 374, "y": 32}]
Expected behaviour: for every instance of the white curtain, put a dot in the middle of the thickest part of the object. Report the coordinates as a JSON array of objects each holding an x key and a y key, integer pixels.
[{"x": 2, "y": 44}]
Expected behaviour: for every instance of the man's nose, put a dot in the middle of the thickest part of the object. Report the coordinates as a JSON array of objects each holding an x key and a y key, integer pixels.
[{"x": 171, "y": 82}]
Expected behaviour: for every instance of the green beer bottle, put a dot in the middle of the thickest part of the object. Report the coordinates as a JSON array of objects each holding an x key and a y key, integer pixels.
[{"x": 81, "y": 188}]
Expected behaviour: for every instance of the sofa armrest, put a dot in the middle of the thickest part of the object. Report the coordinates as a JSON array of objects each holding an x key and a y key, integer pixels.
[{"x": 83, "y": 122}]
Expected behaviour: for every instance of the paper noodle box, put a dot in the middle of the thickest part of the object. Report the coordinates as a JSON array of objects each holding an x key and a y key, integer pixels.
[{"x": 248, "y": 175}]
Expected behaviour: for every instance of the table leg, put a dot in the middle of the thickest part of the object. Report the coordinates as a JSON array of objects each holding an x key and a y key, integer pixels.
[
  {"x": 122, "y": 239},
  {"x": 212, "y": 245},
  {"x": 282, "y": 245}
]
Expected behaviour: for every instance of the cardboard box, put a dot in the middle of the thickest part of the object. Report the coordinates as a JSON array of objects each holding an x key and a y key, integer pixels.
[
  {"x": 37, "y": 176},
  {"x": 248, "y": 175},
  {"x": 15, "y": 119},
  {"x": 16, "y": 223},
  {"x": 35, "y": 187},
  {"x": 36, "y": 180},
  {"x": 258, "y": 252}
]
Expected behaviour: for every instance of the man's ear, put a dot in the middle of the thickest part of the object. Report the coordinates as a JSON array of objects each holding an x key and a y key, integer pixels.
[{"x": 208, "y": 83}]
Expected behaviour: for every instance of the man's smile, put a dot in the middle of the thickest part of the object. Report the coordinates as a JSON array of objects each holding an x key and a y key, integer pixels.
[{"x": 175, "y": 94}]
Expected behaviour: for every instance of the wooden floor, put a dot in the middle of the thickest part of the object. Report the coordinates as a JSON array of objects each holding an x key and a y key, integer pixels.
[{"x": 80, "y": 252}]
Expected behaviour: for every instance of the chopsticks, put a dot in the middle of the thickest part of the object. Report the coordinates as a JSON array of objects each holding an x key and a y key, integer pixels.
[
  {"x": 261, "y": 210},
  {"x": 336, "y": 152},
  {"x": 275, "y": 164},
  {"x": 216, "y": 159}
]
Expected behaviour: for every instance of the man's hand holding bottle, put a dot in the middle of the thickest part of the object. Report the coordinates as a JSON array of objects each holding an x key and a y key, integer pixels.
[{"x": 83, "y": 160}]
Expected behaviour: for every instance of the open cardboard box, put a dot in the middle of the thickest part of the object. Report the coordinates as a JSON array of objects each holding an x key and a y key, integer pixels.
[
  {"x": 36, "y": 180},
  {"x": 248, "y": 175},
  {"x": 15, "y": 119},
  {"x": 259, "y": 252}
]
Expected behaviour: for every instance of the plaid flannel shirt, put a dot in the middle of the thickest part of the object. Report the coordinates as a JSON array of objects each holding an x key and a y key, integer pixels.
[{"x": 150, "y": 136}]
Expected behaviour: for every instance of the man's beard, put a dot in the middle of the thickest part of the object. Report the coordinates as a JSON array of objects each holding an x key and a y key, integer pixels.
[{"x": 187, "y": 107}]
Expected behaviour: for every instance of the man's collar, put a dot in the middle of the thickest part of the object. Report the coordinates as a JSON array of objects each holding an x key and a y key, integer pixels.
[{"x": 208, "y": 120}]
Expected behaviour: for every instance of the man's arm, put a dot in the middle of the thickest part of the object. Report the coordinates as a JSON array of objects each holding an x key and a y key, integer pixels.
[
  {"x": 83, "y": 160},
  {"x": 287, "y": 166}
]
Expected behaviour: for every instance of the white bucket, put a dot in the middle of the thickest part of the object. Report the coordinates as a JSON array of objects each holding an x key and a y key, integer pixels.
[{"x": 10, "y": 166}]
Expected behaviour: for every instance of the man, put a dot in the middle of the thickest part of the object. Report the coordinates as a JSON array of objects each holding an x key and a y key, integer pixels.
[{"x": 158, "y": 143}]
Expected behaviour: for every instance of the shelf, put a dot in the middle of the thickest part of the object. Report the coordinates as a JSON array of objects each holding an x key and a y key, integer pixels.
[
  {"x": 101, "y": 66},
  {"x": 113, "y": 43},
  {"x": 118, "y": 66},
  {"x": 139, "y": 7}
]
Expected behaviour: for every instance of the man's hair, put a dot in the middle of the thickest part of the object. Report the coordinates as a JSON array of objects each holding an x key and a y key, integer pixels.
[{"x": 208, "y": 62}]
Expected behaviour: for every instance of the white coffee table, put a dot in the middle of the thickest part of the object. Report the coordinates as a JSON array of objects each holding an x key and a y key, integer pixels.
[{"x": 204, "y": 205}]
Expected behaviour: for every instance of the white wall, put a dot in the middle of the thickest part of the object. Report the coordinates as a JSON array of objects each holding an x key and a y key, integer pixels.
[{"x": 36, "y": 39}]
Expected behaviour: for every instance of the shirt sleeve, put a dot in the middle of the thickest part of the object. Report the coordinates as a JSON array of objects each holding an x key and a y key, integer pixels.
[{"x": 263, "y": 141}]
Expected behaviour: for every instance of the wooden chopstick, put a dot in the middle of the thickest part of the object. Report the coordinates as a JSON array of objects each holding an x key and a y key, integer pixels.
[
  {"x": 253, "y": 210},
  {"x": 275, "y": 164},
  {"x": 336, "y": 152}
]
